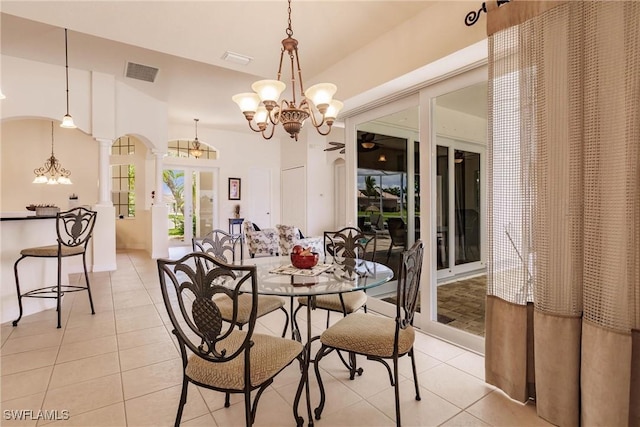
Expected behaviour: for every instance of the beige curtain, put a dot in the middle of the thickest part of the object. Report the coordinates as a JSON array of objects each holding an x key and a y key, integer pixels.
[{"x": 563, "y": 308}]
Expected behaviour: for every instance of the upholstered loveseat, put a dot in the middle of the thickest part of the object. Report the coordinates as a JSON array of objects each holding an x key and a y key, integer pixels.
[
  {"x": 289, "y": 236},
  {"x": 260, "y": 242}
]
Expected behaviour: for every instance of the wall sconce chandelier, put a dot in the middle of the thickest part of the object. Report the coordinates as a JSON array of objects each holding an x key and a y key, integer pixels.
[
  {"x": 196, "y": 151},
  {"x": 67, "y": 120},
  {"x": 52, "y": 167},
  {"x": 262, "y": 105}
]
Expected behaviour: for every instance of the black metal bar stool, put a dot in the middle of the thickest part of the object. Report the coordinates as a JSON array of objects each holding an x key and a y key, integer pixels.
[{"x": 74, "y": 228}]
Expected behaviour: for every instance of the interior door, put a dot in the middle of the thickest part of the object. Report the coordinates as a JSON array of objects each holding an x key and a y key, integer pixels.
[
  {"x": 260, "y": 200},
  {"x": 293, "y": 197}
]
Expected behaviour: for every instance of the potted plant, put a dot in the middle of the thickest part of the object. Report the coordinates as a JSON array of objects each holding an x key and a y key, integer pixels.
[{"x": 236, "y": 211}]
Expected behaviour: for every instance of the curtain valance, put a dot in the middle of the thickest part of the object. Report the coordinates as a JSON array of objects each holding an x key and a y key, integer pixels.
[{"x": 515, "y": 12}]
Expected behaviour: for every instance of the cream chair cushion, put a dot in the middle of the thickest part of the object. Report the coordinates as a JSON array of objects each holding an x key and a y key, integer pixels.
[
  {"x": 52, "y": 251},
  {"x": 352, "y": 301},
  {"x": 367, "y": 334},
  {"x": 269, "y": 355}
]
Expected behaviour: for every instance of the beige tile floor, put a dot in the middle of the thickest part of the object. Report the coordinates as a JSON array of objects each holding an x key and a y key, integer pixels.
[{"x": 121, "y": 367}]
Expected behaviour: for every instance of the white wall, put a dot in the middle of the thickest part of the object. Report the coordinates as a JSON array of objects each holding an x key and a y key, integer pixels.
[
  {"x": 41, "y": 91},
  {"x": 432, "y": 34},
  {"x": 25, "y": 144},
  {"x": 41, "y": 94},
  {"x": 320, "y": 179}
]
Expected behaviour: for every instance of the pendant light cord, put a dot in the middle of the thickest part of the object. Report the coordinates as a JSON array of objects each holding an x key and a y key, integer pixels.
[{"x": 66, "y": 66}]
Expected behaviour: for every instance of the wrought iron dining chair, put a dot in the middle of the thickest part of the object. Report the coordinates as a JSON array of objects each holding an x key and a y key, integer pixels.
[
  {"x": 215, "y": 354},
  {"x": 74, "y": 229},
  {"x": 397, "y": 233},
  {"x": 380, "y": 338},
  {"x": 346, "y": 244},
  {"x": 223, "y": 246}
]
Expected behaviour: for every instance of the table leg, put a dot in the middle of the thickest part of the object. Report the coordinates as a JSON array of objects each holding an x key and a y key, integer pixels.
[{"x": 304, "y": 380}]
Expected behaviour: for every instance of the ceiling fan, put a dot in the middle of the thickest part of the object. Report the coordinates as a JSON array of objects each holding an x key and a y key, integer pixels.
[
  {"x": 336, "y": 146},
  {"x": 366, "y": 142}
]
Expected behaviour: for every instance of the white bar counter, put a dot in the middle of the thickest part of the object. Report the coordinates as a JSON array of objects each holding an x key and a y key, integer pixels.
[{"x": 20, "y": 230}]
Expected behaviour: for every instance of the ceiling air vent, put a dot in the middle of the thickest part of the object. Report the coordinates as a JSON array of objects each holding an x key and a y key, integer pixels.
[{"x": 141, "y": 72}]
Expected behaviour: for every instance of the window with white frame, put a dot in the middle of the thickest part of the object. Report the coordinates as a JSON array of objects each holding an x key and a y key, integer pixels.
[{"x": 123, "y": 195}]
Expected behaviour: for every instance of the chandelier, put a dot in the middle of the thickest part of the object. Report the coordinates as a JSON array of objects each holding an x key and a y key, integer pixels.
[
  {"x": 262, "y": 106},
  {"x": 67, "y": 120},
  {"x": 52, "y": 172},
  {"x": 196, "y": 151}
]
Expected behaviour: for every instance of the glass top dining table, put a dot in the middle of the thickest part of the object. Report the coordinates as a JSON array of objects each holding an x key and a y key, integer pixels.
[
  {"x": 276, "y": 276},
  {"x": 332, "y": 275}
]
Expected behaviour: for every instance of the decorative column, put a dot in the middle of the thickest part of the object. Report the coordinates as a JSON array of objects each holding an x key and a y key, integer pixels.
[
  {"x": 104, "y": 175},
  {"x": 104, "y": 232}
]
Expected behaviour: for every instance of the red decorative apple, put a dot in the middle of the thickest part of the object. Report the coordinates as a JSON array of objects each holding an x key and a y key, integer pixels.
[{"x": 297, "y": 249}]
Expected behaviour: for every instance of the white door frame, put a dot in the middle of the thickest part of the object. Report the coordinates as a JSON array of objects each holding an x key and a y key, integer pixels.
[
  {"x": 188, "y": 196},
  {"x": 428, "y": 319},
  {"x": 456, "y": 144}
]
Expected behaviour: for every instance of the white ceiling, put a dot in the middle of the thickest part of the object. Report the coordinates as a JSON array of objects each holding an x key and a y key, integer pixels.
[{"x": 186, "y": 40}]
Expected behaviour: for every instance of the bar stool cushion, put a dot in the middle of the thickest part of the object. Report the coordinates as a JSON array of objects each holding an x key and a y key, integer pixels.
[
  {"x": 352, "y": 301},
  {"x": 52, "y": 251},
  {"x": 266, "y": 304},
  {"x": 269, "y": 354},
  {"x": 367, "y": 334}
]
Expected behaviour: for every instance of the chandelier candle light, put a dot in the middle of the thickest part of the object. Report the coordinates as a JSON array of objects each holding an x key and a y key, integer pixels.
[
  {"x": 52, "y": 167},
  {"x": 262, "y": 105}
]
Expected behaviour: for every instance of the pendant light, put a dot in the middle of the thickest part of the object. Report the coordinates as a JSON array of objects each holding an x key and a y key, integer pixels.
[
  {"x": 196, "y": 151},
  {"x": 67, "y": 120}
]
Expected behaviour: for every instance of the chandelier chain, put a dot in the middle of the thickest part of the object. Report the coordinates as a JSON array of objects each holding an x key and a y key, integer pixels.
[
  {"x": 51, "y": 139},
  {"x": 289, "y": 29}
]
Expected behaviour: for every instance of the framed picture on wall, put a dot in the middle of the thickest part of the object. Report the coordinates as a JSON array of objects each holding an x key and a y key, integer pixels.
[{"x": 234, "y": 188}]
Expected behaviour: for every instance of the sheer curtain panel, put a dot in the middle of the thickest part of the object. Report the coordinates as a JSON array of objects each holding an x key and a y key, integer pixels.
[{"x": 563, "y": 304}]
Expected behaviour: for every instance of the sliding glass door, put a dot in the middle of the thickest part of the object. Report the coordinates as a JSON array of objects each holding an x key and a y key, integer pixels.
[
  {"x": 459, "y": 207},
  {"x": 457, "y": 124},
  {"x": 420, "y": 162},
  {"x": 388, "y": 198}
]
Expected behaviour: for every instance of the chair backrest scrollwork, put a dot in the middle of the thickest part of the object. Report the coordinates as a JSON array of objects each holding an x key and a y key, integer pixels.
[
  {"x": 349, "y": 242},
  {"x": 189, "y": 288},
  {"x": 75, "y": 226},
  {"x": 220, "y": 245}
]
